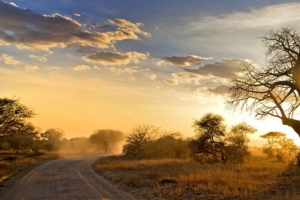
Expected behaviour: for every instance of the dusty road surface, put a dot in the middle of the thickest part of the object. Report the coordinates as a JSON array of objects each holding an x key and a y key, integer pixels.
[{"x": 64, "y": 179}]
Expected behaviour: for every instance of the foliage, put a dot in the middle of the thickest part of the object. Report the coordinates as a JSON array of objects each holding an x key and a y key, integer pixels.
[
  {"x": 237, "y": 140},
  {"x": 52, "y": 137},
  {"x": 272, "y": 90},
  {"x": 279, "y": 146},
  {"x": 214, "y": 142},
  {"x": 138, "y": 140},
  {"x": 106, "y": 139},
  {"x": 13, "y": 116},
  {"x": 210, "y": 142},
  {"x": 170, "y": 145}
]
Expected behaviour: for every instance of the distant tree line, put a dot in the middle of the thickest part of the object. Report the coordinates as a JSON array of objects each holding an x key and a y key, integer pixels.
[
  {"x": 213, "y": 141},
  {"x": 17, "y": 134}
]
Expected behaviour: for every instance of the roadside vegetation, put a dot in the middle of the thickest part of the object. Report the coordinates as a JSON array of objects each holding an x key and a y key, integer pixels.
[
  {"x": 258, "y": 178},
  {"x": 216, "y": 163}
]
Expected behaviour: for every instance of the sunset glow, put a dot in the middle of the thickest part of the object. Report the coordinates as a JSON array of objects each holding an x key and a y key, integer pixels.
[{"x": 88, "y": 65}]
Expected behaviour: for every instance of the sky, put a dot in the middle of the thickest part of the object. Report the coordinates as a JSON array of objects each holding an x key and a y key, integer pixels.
[{"x": 98, "y": 64}]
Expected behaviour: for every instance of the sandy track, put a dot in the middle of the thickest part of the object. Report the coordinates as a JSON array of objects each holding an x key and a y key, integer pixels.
[{"x": 64, "y": 179}]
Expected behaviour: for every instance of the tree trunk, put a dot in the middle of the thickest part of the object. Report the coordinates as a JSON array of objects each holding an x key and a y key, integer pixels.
[{"x": 293, "y": 123}]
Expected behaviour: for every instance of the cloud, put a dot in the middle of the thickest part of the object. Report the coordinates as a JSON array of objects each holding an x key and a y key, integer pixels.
[
  {"x": 172, "y": 81},
  {"x": 115, "y": 58},
  {"x": 81, "y": 67},
  {"x": 77, "y": 14},
  {"x": 39, "y": 58},
  {"x": 13, "y": 4},
  {"x": 221, "y": 90},
  {"x": 9, "y": 60},
  {"x": 150, "y": 76},
  {"x": 263, "y": 18},
  {"x": 226, "y": 68},
  {"x": 127, "y": 26},
  {"x": 52, "y": 68},
  {"x": 121, "y": 71},
  {"x": 183, "y": 61},
  {"x": 31, "y": 68},
  {"x": 95, "y": 26},
  {"x": 27, "y": 29},
  {"x": 183, "y": 77}
]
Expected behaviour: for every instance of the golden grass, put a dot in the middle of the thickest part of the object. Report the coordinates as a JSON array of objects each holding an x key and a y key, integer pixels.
[
  {"x": 259, "y": 178},
  {"x": 11, "y": 163}
]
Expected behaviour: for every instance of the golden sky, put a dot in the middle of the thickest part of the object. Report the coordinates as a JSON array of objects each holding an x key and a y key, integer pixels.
[{"x": 101, "y": 65}]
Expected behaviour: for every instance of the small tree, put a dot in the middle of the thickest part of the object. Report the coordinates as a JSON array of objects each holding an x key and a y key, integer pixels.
[
  {"x": 106, "y": 139},
  {"x": 237, "y": 142},
  {"x": 279, "y": 146},
  {"x": 138, "y": 140},
  {"x": 273, "y": 140},
  {"x": 210, "y": 144},
  {"x": 53, "y": 137}
]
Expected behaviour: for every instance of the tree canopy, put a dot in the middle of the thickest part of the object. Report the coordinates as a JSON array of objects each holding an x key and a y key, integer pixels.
[
  {"x": 274, "y": 89},
  {"x": 13, "y": 116},
  {"x": 106, "y": 139}
]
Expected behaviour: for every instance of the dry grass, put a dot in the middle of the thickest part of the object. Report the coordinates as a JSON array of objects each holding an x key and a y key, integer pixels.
[
  {"x": 11, "y": 163},
  {"x": 259, "y": 178}
]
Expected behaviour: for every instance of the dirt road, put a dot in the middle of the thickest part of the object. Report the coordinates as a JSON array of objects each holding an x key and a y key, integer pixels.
[{"x": 64, "y": 179}]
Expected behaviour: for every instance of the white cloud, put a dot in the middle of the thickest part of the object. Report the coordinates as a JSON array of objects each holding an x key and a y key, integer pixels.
[
  {"x": 13, "y": 4},
  {"x": 39, "y": 58},
  {"x": 121, "y": 71},
  {"x": 31, "y": 68},
  {"x": 266, "y": 17},
  {"x": 172, "y": 81},
  {"x": 9, "y": 60},
  {"x": 126, "y": 25},
  {"x": 52, "y": 68},
  {"x": 77, "y": 14},
  {"x": 81, "y": 67},
  {"x": 150, "y": 76}
]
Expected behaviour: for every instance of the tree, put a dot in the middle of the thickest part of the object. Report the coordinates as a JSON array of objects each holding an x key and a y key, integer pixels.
[
  {"x": 13, "y": 116},
  {"x": 280, "y": 146},
  {"x": 106, "y": 139},
  {"x": 210, "y": 142},
  {"x": 138, "y": 140},
  {"x": 24, "y": 138},
  {"x": 237, "y": 142},
  {"x": 53, "y": 137},
  {"x": 273, "y": 138},
  {"x": 169, "y": 145},
  {"x": 272, "y": 90}
]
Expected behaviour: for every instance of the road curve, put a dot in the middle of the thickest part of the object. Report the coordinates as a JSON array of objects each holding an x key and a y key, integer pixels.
[{"x": 65, "y": 179}]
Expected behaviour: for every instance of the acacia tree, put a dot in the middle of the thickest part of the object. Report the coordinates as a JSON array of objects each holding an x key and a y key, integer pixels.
[
  {"x": 210, "y": 144},
  {"x": 106, "y": 139},
  {"x": 138, "y": 140},
  {"x": 237, "y": 142},
  {"x": 53, "y": 137},
  {"x": 280, "y": 146},
  {"x": 272, "y": 90},
  {"x": 13, "y": 116}
]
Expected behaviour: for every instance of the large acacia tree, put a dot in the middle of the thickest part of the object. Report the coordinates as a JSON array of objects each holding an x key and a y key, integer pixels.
[
  {"x": 274, "y": 89},
  {"x": 13, "y": 116}
]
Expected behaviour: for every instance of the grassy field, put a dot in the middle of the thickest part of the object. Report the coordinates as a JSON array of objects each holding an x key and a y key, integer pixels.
[
  {"x": 259, "y": 178},
  {"x": 11, "y": 163}
]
